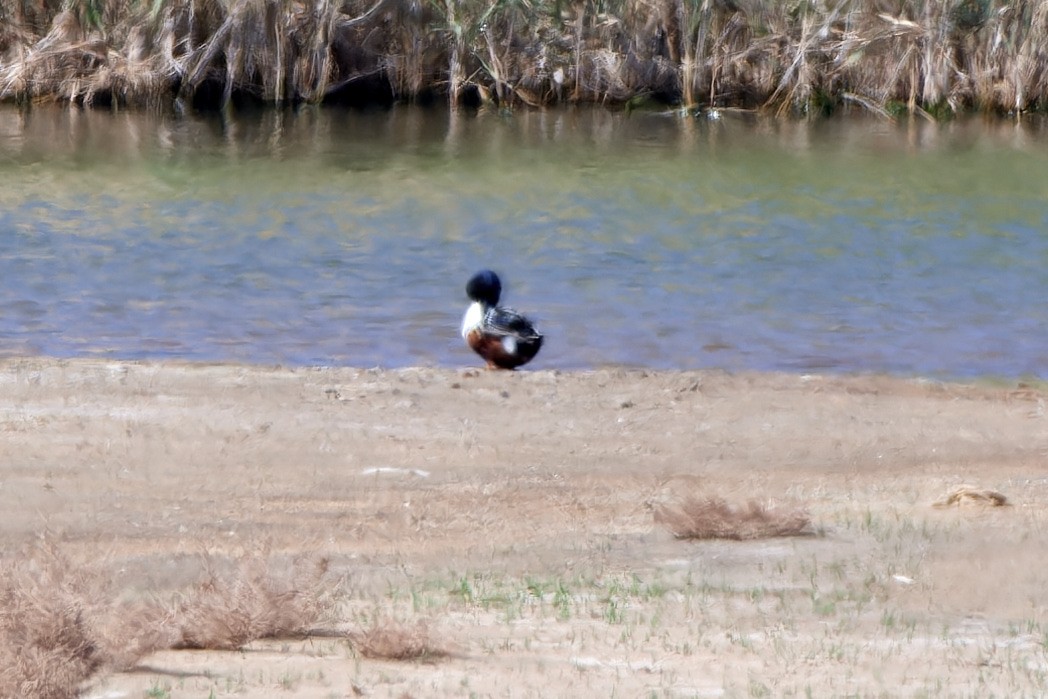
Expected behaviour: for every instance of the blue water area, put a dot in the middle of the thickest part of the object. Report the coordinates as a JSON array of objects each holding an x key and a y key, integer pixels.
[{"x": 333, "y": 238}]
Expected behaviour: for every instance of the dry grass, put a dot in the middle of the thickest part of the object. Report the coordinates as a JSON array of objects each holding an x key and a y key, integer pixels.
[
  {"x": 971, "y": 495},
  {"x": 713, "y": 518},
  {"x": 48, "y": 640},
  {"x": 391, "y": 640},
  {"x": 249, "y": 602},
  {"x": 61, "y": 623},
  {"x": 808, "y": 57}
]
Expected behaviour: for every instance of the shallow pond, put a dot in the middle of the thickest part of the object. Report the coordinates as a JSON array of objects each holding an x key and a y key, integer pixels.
[{"x": 328, "y": 237}]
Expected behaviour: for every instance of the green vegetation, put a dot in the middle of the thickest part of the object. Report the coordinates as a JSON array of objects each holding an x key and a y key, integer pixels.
[{"x": 928, "y": 57}]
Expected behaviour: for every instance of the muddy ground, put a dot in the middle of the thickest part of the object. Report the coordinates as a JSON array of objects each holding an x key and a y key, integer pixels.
[{"x": 512, "y": 515}]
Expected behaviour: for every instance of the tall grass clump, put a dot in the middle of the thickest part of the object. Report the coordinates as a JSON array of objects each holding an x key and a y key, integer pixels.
[
  {"x": 227, "y": 610},
  {"x": 713, "y": 518},
  {"x": 62, "y": 623},
  {"x": 392, "y": 640},
  {"x": 48, "y": 646},
  {"x": 927, "y": 57},
  {"x": 58, "y": 627}
]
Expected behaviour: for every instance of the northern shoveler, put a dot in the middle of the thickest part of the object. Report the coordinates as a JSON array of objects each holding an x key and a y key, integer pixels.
[{"x": 503, "y": 337}]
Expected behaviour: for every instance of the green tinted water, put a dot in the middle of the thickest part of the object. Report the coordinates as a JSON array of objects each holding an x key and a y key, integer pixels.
[{"x": 332, "y": 237}]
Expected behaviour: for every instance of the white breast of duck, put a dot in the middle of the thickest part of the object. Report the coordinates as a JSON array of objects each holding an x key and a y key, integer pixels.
[{"x": 474, "y": 318}]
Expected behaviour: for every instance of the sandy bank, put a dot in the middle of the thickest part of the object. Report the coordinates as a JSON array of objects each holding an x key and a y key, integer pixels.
[{"x": 530, "y": 485}]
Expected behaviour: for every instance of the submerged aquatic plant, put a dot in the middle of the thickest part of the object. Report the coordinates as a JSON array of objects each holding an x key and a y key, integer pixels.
[{"x": 928, "y": 57}]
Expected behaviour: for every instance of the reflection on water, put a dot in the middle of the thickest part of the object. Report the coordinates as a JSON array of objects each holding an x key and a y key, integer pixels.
[{"x": 331, "y": 237}]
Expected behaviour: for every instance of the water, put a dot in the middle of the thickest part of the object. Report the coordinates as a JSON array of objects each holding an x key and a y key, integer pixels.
[{"x": 345, "y": 238}]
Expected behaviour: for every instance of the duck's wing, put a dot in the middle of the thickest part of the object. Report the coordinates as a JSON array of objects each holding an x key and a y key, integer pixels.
[{"x": 506, "y": 321}]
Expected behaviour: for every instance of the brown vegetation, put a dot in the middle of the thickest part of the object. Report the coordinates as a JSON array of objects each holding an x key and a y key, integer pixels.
[
  {"x": 60, "y": 623},
  {"x": 397, "y": 641},
  {"x": 48, "y": 640},
  {"x": 972, "y": 495},
  {"x": 713, "y": 518},
  {"x": 227, "y": 611},
  {"x": 930, "y": 57}
]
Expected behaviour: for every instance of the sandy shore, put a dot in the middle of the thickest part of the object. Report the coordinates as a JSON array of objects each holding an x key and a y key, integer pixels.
[{"x": 513, "y": 514}]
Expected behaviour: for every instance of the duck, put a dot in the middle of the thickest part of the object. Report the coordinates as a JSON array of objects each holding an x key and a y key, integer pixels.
[{"x": 502, "y": 337}]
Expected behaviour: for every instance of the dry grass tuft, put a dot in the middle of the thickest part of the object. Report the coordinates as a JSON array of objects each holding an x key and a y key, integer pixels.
[
  {"x": 397, "y": 641},
  {"x": 48, "y": 645},
  {"x": 971, "y": 495},
  {"x": 229, "y": 610},
  {"x": 51, "y": 634},
  {"x": 61, "y": 623},
  {"x": 713, "y": 518}
]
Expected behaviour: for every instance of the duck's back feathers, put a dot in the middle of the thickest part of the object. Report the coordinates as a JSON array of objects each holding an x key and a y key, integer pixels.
[{"x": 506, "y": 321}]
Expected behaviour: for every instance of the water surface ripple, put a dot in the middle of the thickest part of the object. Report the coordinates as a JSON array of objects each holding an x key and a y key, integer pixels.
[{"x": 334, "y": 238}]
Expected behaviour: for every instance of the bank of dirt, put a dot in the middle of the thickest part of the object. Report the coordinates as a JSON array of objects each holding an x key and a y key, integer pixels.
[{"x": 512, "y": 516}]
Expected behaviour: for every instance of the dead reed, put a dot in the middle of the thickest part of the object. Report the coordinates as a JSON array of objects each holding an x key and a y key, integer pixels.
[
  {"x": 713, "y": 518},
  {"x": 927, "y": 57}
]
